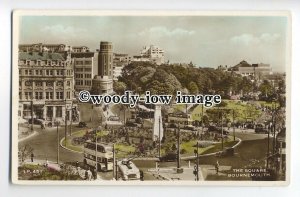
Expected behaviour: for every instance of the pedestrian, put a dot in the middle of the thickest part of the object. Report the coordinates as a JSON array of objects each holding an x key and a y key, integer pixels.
[
  {"x": 95, "y": 174},
  {"x": 86, "y": 175},
  {"x": 31, "y": 156},
  {"x": 141, "y": 175},
  {"x": 89, "y": 175},
  {"x": 77, "y": 164},
  {"x": 217, "y": 165}
]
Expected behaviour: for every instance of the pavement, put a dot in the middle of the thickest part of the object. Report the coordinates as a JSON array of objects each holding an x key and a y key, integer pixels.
[
  {"x": 55, "y": 166},
  {"x": 171, "y": 174}
]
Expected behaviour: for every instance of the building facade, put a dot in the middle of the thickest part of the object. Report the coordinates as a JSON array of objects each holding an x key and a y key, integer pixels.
[
  {"x": 40, "y": 47},
  {"x": 46, "y": 86},
  {"x": 154, "y": 53},
  {"x": 119, "y": 62},
  {"x": 103, "y": 82},
  {"x": 254, "y": 70},
  {"x": 84, "y": 69},
  {"x": 105, "y": 59}
]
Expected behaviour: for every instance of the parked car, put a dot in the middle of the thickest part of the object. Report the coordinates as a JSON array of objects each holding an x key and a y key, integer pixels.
[
  {"x": 114, "y": 118},
  {"x": 169, "y": 157},
  {"x": 131, "y": 124},
  {"x": 217, "y": 130},
  {"x": 82, "y": 124},
  {"x": 190, "y": 127},
  {"x": 226, "y": 152},
  {"x": 260, "y": 128},
  {"x": 36, "y": 121}
]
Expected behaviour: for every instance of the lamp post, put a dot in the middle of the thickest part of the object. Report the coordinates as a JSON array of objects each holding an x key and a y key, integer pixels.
[
  {"x": 196, "y": 168},
  {"x": 233, "y": 123},
  {"x": 159, "y": 141},
  {"x": 96, "y": 149},
  {"x": 57, "y": 133}
]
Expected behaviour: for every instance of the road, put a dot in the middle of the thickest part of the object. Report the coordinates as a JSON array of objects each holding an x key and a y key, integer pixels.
[
  {"x": 253, "y": 146},
  {"x": 44, "y": 145}
]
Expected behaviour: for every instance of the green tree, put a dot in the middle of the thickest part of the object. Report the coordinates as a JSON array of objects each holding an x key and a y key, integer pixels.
[
  {"x": 193, "y": 88},
  {"x": 119, "y": 87}
]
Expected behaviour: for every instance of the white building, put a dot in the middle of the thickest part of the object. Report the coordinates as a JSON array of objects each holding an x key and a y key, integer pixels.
[{"x": 152, "y": 54}]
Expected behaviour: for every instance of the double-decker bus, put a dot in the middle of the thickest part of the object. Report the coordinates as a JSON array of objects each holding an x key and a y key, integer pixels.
[
  {"x": 128, "y": 170},
  {"x": 104, "y": 155}
]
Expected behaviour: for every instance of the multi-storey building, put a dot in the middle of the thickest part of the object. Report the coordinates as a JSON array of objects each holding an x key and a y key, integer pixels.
[
  {"x": 84, "y": 69},
  {"x": 39, "y": 47},
  {"x": 152, "y": 54},
  {"x": 79, "y": 49},
  {"x": 246, "y": 69},
  {"x": 103, "y": 82},
  {"x": 46, "y": 86},
  {"x": 119, "y": 61}
]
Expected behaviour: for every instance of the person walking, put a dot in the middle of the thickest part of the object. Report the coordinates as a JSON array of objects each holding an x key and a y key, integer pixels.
[
  {"x": 95, "y": 174},
  {"x": 217, "y": 165},
  {"x": 86, "y": 175},
  {"x": 89, "y": 175},
  {"x": 31, "y": 157}
]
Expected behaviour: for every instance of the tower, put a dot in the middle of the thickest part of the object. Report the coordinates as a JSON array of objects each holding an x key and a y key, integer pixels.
[
  {"x": 105, "y": 59},
  {"x": 103, "y": 81}
]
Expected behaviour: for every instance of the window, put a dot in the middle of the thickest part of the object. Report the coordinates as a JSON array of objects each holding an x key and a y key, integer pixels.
[
  {"x": 49, "y": 95},
  {"x": 59, "y": 95},
  {"x": 28, "y": 83},
  {"x": 49, "y": 83},
  {"x": 38, "y": 95},
  {"x": 59, "y": 83},
  {"x": 68, "y": 83},
  {"x": 20, "y": 95},
  {"x": 26, "y": 72},
  {"x": 30, "y": 72},
  {"x": 50, "y": 72},
  {"x": 39, "y": 83},
  {"x": 88, "y": 69},
  {"x": 58, "y": 111},
  {"x": 68, "y": 95},
  {"x": 88, "y": 62},
  {"x": 28, "y": 95}
]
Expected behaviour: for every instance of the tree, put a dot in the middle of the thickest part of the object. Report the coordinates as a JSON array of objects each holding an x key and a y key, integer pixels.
[
  {"x": 265, "y": 88},
  {"x": 119, "y": 87},
  {"x": 193, "y": 88},
  {"x": 25, "y": 152}
]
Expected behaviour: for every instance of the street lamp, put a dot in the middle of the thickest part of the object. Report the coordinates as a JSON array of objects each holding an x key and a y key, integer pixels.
[
  {"x": 196, "y": 167},
  {"x": 57, "y": 133}
]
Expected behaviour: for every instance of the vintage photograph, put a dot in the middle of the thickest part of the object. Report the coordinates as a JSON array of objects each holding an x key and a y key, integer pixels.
[{"x": 198, "y": 98}]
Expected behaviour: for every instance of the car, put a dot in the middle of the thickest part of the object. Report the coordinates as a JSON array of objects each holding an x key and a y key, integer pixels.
[
  {"x": 226, "y": 152},
  {"x": 114, "y": 118},
  {"x": 169, "y": 157},
  {"x": 131, "y": 124},
  {"x": 217, "y": 130},
  {"x": 82, "y": 124},
  {"x": 189, "y": 127},
  {"x": 36, "y": 121},
  {"x": 260, "y": 128}
]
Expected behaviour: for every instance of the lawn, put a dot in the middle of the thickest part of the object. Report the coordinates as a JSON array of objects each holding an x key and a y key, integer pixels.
[
  {"x": 243, "y": 111},
  {"x": 124, "y": 150},
  {"x": 70, "y": 146}
]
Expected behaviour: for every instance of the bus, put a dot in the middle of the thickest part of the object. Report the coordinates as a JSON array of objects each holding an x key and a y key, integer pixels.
[
  {"x": 104, "y": 156},
  {"x": 128, "y": 170}
]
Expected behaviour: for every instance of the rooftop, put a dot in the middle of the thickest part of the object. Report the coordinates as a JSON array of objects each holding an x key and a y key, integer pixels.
[{"x": 40, "y": 56}]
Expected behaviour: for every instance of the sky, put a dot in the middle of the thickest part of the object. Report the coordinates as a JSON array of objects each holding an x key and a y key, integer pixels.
[{"x": 207, "y": 41}]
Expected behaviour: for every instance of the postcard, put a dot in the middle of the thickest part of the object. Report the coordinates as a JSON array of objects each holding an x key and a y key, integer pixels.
[{"x": 151, "y": 98}]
